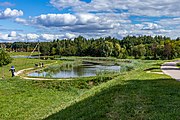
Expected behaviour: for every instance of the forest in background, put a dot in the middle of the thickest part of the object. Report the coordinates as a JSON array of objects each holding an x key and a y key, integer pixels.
[{"x": 145, "y": 47}]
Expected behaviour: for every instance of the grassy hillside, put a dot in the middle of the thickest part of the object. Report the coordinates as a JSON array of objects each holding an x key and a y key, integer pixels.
[
  {"x": 29, "y": 100},
  {"x": 23, "y": 53},
  {"x": 21, "y": 63},
  {"x": 131, "y": 95}
]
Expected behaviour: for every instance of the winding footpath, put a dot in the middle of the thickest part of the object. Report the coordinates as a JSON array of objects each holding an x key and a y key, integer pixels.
[
  {"x": 171, "y": 69},
  {"x": 168, "y": 68},
  {"x": 20, "y": 72}
]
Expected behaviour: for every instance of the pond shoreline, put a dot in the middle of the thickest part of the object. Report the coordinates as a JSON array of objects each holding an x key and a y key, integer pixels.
[{"x": 70, "y": 71}]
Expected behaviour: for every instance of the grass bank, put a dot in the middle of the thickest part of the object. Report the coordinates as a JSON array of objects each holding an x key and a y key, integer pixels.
[
  {"x": 21, "y": 63},
  {"x": 23, "y": 53},
  {"x": 135, "y": 94},
  {"x": 26, "y": 99},
  {"x": 132, "y": 96}
]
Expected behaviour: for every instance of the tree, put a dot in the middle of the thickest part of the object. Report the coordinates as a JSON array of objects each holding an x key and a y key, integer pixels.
[
  {"x": 108, "y": 48},
  {"x": 139, "y": 51},
  {"x": 168, "y": 50},
  {"x": 117, "y": 50},
  {"x": 45, "y": 48},
  {"x": 154, "y": 49},
  {"x": 53, "y": 51},
  {"x": 4, "y": 60}
]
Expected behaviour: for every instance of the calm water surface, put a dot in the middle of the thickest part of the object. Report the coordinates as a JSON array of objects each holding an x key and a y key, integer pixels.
[{"x": 79, "y": 71}]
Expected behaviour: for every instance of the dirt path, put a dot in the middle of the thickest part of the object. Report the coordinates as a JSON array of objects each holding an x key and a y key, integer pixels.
[
  {"x": 21, "y": 71},
  {"x": 31, "y": 78},
  {"x": 171, "y": 69}
]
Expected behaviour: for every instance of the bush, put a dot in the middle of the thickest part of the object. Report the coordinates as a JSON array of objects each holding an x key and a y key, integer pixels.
[{"x": 4, "y": 58}]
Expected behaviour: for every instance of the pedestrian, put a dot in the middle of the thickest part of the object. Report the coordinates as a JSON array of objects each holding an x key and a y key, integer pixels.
[
  {"x": 12, "y": 69},
  {"x": 42, "y": 64},
  {"x": 39, "y": 64},
  {"x": 36, "y": 65}
]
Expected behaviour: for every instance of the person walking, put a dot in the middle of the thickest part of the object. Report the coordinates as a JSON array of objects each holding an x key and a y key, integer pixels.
[{"x": 12, "y": 70}]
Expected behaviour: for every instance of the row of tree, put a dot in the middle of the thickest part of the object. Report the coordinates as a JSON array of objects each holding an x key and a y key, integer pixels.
[{"x": 148, "y": 47}]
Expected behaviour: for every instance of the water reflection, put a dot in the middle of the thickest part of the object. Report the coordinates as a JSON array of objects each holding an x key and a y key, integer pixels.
[
  {"x": 78, "y": 71},
  {"x": 24, "y": 56}
]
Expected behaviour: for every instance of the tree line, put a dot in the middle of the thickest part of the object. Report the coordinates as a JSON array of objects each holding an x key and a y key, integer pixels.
[{"x": 146, "y": 47}]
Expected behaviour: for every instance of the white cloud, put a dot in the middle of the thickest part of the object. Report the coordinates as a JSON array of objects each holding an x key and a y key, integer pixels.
[
  {"x": 20, "y": 20},
  {"x": 12, "y": 34},
  {"x": 113, "y": 17},
  {"x": 48, "y": 37},
  {"x": 31, "y": 36},
  {"x": 150, "y": 26},
  {"x": 65, "y": 3},
  {"x": 55, "y": 20},
  {"x": 85, "y": 18},
  {"x": 134, "y": 7},
  {"x": 170, "y": 22},
  {"x": 101, "y": 18},
  {"x": 11, "y": 37},
  {"x": 79, "y": 23},
  {"x": 3, "y": 36},
  {"x": 70, "y": 36},
  {"x": 8, "y": 13},
  {"x": 59, "y": 20},
  {"x": 6, "y": 4}
]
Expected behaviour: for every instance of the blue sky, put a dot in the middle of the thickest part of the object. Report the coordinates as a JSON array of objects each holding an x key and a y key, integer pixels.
[{"x": 32, "y": 20}]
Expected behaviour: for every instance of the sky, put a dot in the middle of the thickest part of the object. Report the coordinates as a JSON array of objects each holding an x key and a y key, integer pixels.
[{"x": 46, "y": 20}]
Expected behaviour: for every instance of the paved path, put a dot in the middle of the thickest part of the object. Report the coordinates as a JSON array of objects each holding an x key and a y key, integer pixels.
[
  {"x": 31, "y": 78},
  {"x": 171, "y": 69}
]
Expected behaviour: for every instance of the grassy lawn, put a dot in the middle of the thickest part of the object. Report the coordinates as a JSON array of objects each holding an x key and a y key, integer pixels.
[
  {"x": 136, "y": 95},
  {"x": 154, "y": 68},
  {"x": 21, "y": 100},
  {"x": 131, "y": 95},
  {"x": 25, "y": 99},
  {"x": 22, "y": 63},
  {"x": 23, "y": 53}
]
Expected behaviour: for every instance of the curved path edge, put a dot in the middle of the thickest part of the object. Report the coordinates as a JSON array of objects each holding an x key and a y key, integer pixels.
[
  {"x": 18, "y": 73},
  {"x": 170, "y": 68}
]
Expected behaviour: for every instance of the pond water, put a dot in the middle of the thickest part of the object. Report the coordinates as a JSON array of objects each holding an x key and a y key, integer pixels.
[
  {"x": 78, "y": 71},
  {"x": 24, "y": 56}
]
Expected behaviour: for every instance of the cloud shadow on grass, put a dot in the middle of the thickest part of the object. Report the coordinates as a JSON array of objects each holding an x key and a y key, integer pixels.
[{"x": 136, "y": 99}]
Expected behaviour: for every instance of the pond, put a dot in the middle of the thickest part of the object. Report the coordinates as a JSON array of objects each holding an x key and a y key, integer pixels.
[
  {"x": 78, "y": 71},
  {"x": 24, "y": 56}
]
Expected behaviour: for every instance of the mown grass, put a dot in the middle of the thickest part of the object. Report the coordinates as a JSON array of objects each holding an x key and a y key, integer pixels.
[
  {"x": 26, "y": 99},
  {"x": 22, "y": 100},
  {"x": 133, "y": 100},
  {"x": 155, "y": 67},
  {"x": 22, "y": 63},
  {"x": 136, "y": 95},
  {"x": 133, "y": 94},
  {"x": 23, "y": 53}
]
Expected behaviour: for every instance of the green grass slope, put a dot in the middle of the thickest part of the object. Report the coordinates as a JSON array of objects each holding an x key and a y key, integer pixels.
[
  {"x": 21, "y": 100},
  {"x": 133, "y": 96}
]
